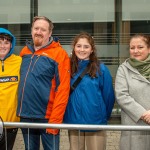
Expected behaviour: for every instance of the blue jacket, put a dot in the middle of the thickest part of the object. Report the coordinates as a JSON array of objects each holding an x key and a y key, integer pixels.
[
  {"x": 45, "y": 83},
  {"x": 92, "y": 100}
]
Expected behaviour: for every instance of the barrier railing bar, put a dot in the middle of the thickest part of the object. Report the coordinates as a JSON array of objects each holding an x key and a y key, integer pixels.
[{"x": 76, "y": 126}]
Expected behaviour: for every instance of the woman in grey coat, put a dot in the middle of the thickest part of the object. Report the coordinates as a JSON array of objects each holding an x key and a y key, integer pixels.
[{"x": 132, "y": 87}]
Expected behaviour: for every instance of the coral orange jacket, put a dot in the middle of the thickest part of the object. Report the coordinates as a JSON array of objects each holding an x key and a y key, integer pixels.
[{"x": 45, "y": 83}]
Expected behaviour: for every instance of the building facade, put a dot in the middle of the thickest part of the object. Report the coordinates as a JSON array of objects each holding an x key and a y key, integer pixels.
[{"x": 110, "y": 22}]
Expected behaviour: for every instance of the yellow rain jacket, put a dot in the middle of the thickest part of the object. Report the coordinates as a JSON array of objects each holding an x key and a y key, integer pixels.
[{"x": 9, "y": 80}]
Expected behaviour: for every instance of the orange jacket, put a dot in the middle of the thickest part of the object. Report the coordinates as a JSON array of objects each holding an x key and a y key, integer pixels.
[{"x": 44, "y": 83}]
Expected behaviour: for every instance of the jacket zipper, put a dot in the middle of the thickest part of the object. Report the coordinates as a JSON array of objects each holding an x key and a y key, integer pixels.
[
  {"x": 38, "y": 56},
  {"x": 25, "y": 84},
  {"x": 26, "y": 78},
  {"x": 2, "y": 65}
]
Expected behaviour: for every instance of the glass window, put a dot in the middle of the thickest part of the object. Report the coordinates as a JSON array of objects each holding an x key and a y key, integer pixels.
[{"x": 14, "y": 11}]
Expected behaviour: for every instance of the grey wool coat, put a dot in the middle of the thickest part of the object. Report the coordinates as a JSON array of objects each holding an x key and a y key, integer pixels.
[{"x": 133, "y": 96}]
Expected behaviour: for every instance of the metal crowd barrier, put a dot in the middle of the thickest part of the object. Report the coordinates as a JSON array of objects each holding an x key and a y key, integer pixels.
[{"x": 76, "y": 126}]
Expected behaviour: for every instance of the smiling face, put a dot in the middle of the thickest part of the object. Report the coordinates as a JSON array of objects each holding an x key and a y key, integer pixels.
[
  {"x": 139, "y": 49},
  {"x": 83, "y": 49},
  {"x": 5, "y": 46},
  {"x": 40, "y": 33}
]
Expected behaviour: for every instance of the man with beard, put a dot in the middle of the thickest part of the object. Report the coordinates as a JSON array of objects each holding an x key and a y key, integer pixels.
[{"x": 44, "y": 85}]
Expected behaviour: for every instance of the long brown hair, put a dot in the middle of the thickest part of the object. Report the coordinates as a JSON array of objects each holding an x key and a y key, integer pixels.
[{"x": 94, "y": 63}]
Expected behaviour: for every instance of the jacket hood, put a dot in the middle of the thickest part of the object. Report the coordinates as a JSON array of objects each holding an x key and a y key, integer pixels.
[{"x": 5, "y": 31}]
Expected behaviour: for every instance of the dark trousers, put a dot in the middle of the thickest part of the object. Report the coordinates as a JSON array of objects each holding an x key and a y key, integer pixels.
[
  {"x": 8, "y": 139},
  {"x": 32, "y": 136}
]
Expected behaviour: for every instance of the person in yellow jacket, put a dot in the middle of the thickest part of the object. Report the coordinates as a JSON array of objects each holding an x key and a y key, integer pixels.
[{"x": 9, "y": 79}]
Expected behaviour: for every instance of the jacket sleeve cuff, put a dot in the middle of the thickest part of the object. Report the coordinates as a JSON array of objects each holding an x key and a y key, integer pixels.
[{"x": 52, "y": 131}]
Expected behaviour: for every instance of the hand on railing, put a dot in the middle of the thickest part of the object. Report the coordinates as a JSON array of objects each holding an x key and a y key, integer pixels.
[{"x": 146, "y": 117}]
